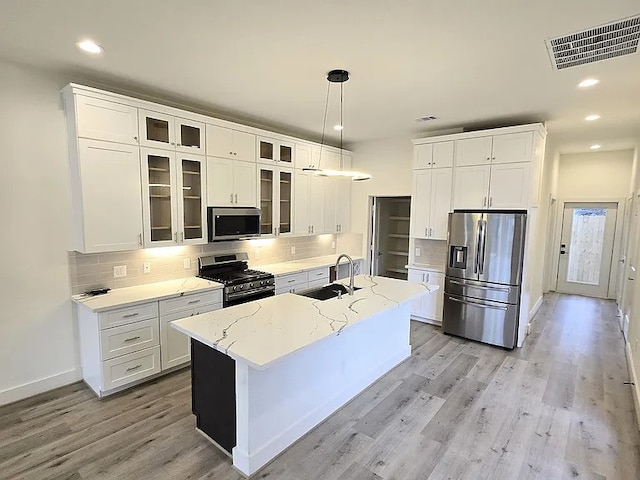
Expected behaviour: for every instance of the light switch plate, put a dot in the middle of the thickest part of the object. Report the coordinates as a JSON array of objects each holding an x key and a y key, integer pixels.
[
  {"x": 146, "y": 267},
  {"x": 333, "y": 244},
  {"x": 186, "y": 263},
  {"x": 418, "y": 252},
  {"x": 293, "y": 249},
  {"x": 119, "y": 271}
]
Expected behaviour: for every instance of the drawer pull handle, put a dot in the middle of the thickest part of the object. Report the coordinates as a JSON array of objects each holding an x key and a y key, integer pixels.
[
  {"x": 291, "y": 281},
  {"x": 131, "y": 315},
  {"x": 137, "y": 337},
  {"x": 194, "y": 301},
  {"x": 134, "y": 368}
]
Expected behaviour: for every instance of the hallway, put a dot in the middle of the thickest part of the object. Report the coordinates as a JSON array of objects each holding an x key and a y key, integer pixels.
[{"x": 557, "y": 409}]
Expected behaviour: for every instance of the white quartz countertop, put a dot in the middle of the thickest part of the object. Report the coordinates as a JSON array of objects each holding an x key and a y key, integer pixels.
[
  {"x": 263, "y": 332},
  {"x": 128, "y": 296},
  {"x": 295, "y": 266}
]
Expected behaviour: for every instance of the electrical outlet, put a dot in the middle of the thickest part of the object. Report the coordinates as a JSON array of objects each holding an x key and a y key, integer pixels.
[
  {"x": 119, "y": 271},
  {"x": 418, "y": 252},
  {"x": 333, "y": 244},
  {"x": 293, "y": 249},
  {"x": 186, "y": 263},
  {"x": 146, "y": 267}
]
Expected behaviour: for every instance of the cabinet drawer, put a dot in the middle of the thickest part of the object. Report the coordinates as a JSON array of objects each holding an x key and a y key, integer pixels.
[
  {"x": 130, "y": 368},
  {"x": 318, "y": 274},
  {"x": 318, "y": 283},
  {"x": 130, "y": 338},
  {"x": 291, "y": 280},
  {"x": 122, "y": 316},
  {"x": 191, "y": 301}
]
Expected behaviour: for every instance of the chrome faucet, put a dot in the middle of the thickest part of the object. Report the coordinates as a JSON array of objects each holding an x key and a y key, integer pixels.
[{"x": 351, "y": 286}]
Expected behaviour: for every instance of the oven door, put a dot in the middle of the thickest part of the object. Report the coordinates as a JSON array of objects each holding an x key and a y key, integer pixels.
[
  {"x": 233, "y": 223},
  {"x": 244, "y": 297}
]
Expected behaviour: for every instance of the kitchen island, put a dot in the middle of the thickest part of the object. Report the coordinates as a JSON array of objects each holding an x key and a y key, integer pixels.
[{"x": 266, "y": 372}]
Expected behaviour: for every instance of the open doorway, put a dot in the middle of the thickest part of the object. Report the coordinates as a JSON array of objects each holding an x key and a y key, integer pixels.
[
  {"x": 389, "y": 236},
  {"x": 587, "y": 245}
]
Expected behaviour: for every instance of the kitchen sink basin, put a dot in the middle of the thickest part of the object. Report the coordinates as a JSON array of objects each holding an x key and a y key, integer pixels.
[{"x": 326, "y": 292}]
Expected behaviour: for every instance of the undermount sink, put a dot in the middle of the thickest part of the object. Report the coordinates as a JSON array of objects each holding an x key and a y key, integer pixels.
[{"x": 326, "y": 292}]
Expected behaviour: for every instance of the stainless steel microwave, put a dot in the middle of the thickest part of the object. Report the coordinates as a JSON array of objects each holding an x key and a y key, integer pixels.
[{"x": 233, "y": 223}]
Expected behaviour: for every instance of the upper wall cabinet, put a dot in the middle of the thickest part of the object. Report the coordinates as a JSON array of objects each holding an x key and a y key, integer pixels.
[
  {"x": 158, "y": 130},
  {"x": 228, "y": 143},
  {"x": 433, "y": 155},
  {"x": 231, "y": 183},
  {"x": 505, "y": 148},
  {"x": 103, "y": 120},
  {"x": 271, "y": 150}
]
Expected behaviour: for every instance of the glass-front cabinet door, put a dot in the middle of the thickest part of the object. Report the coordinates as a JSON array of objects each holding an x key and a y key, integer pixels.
[
  {"x": 266, "y": 150},
  {"x": 159, "y": 205},
  {"x": 156, "y": 130},
  {"x": 285, "y": 192},
  {"x": 189, "y": 136},
  {"x": 192, "y": 207},
  {"x": 286, "y": 152},
  {"x": 271, "y": 150},
  {"x": 267, "y": 194}
]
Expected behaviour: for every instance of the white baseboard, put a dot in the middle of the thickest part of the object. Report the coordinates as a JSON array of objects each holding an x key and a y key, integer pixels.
[
  {"x": 634, "y": 379},
  {"x": 535, "y": 308},
  {"x": 245, "y": 462},
  {"x": 426, "y": 320},
  {"x": 39, "y": 386}
]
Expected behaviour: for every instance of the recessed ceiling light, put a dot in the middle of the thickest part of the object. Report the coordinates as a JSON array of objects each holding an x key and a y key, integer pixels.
[
  {"x": 588, "y": 82},
  {"x": 338, "y": 127},
  {"x": 591, "y": 118},
  {"x": 89, "y": 46},
  {"x": 595, "y": 147}
]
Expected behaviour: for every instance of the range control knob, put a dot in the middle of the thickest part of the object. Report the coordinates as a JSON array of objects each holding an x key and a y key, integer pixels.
[
  {"x": 251, "y": 285},
  {"x": 235, "y": 288},
  {"x": 261, "y": 283},
  {"x": 241, "y": 287}
]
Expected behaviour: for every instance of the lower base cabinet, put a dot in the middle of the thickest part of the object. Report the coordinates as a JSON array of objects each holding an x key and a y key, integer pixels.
[
  {"x": 429, "y": 307},
  {"x": 297, "y": 282},
  {"x": 121, "y": 347}
]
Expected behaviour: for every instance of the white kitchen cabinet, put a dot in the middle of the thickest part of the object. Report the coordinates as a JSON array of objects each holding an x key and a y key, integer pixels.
[
  {"x": 303, "y": 156},
  {"x": 174, "y": 211},
  {"x": 512, "y": 148},
  {"x": 229, "y": 143},
  {"x": 433, "y": 155},
  {"x": 431, "y": 203},
  {"x": 308, "y": 203},
  {"x": 230, "y": 183},
  {"x": 509, "y": 186},
  {"x": 106, "y": 193},
  {"x": 99, "y": 119},
  {"x": 328, "y": 159},
  {"x": 275, "y": 193},
  {"x": 343, "y": 205},
  {"x": 471, "y": 187},
  {"x": 159, "y": 130},
  {"x": 272, "y": 150},
  {"x": 429, "y": 307},
  {"x": 473, "y": 151}
]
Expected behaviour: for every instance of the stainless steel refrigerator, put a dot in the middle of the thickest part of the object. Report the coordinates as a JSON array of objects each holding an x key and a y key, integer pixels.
[{"x": 484, "y": 275}]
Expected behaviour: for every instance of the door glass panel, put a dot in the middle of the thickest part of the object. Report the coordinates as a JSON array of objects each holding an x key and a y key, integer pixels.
[
  {"x": 160, "y": 197},
  {"x": 586, "y": 247},
  {"x": 286, "y": 153},
  {"x": 192, "y": 198},
  {"x": 266, "y": 201},
  {"x": 285, "y": 202},
  {"x": 157, "y": 130},
  {"x": 189, "y": 136},
  {"x": 266, "y": 150}
]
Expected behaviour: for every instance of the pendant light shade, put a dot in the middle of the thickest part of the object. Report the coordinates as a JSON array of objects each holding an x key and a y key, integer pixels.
[{"x": 336, "y": 76}]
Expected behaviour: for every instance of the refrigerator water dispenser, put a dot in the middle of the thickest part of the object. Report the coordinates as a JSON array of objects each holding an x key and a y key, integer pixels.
[{"x": 458, "y": 257}]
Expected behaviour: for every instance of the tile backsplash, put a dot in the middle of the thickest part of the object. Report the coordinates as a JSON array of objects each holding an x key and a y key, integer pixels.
[
  {"x": 433, "y": 253},
  {"x": 95, "y": 270}
]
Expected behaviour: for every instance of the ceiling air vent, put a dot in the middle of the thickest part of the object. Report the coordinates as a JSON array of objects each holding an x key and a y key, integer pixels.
[
  {"x": 426, "y": 119},
  {"x": 596, "y": 44}
]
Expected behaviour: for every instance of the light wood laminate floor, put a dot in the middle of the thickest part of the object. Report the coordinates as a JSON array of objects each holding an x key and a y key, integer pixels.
[{"x": 557, "y": 409}]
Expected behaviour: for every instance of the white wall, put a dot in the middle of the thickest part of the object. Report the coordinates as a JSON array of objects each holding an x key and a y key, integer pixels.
[
  {"x": 595, "y": 175},
  {"x": 37, "y": 334},
  {"x": 390, "y": 162}
]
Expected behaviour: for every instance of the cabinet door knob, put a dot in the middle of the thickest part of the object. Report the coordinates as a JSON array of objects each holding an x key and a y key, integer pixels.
[
  {"x": 488, "y": 159},
  {"x": 179, "y": 145},
  {"x": 490, "y": 201},
  {"x": 236, "y": 199},
  {"x": 135, "y": 138},
  {"x": 231, "y": 199},
  {"x": 173, "y": 143},
  {"x": 230, "y": 153},
  {"x": 484, "y": 201},
  {"x": 140, "y": 239}
]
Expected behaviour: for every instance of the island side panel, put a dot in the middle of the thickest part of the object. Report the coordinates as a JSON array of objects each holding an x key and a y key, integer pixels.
[
  {"x": 278, "y": 405},
  {"x": 213, "y": 394}
]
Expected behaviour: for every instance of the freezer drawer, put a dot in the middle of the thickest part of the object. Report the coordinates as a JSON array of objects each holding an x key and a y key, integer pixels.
[
  {"x": 482, "y": 290},
  {"x": 484, "y": 321}
]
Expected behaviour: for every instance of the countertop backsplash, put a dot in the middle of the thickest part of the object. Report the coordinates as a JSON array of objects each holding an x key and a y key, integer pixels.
[
  {"x": 433, "y": 253},
  {"x": 95, "y": 270}
]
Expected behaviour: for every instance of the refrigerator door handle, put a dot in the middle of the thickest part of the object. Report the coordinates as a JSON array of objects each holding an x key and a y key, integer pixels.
[
  {"x": 479, "y": 305},
  {"x": 482, "y": 244},
  {"x": 477, "y": 259},
  {"x": 478, "y": 286}
]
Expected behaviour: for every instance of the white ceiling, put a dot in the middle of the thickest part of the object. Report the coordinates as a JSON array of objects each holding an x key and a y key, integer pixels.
[{"x": 470, "y": 63}]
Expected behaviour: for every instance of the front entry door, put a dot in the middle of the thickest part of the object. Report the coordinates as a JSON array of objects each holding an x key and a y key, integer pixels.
[{"x": 586, "y": 248}]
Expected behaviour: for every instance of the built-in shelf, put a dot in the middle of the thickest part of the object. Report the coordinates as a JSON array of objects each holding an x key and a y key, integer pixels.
[
  {"x": 395, "y": 252},
  {"x": 191, "y": 197},
  {"x": 397, "y": 270},
  {"x": 398, "y": 235},
  {"x": 161, "y": 228},
  {"x": 160, "y": 196},
  {"x": 193, "y": 226},
  {"x": 187, "y": 172},
  {"x": 266, "y": 200},
  {"x": 158, "y": 169},
  {"x": 406, "y": 219}
]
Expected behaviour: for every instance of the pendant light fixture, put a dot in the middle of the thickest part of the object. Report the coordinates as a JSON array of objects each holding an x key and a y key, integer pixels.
[{"x": 336, "y": 76}]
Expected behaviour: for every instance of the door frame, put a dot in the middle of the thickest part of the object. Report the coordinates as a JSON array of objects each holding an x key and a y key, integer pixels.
[{"x": 613, "y": 274}]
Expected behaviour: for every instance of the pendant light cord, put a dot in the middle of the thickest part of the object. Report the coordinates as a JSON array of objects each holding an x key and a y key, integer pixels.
[
  {"x": 341, "y": 122},
  {"x": 324, "y": 123}
]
